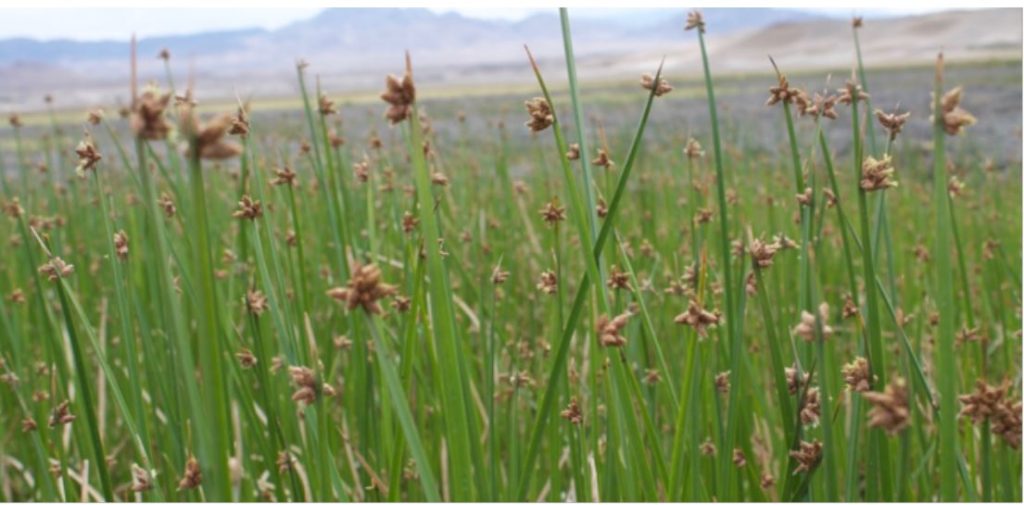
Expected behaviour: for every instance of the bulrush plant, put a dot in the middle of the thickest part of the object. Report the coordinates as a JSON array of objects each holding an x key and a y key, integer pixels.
[{"x": 204, "y": 302}]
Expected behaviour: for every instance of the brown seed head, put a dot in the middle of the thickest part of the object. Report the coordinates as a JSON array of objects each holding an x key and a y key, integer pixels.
[
  {"x": 573, "y": 153},
  {"x": 192, "y": 477},
  {"x": 61, "y": 414},
  {"x": 954, "y": 117},
  {"x": 662, "y": 87},
  {"x": 548, "y": 282},
  {"x": 877, "y": 174},
  {"x": 892, "y": 121},
  {"x": 553, "y": 213},
  {"x": 890, "y": 410},
  {"x": 857, "y": 375},
  {"x": 15, "y": 120},
  {"x": 400, "y": 95},
  {"x": 255, "y": 302},
  {"x": 326, "y": 106},
  {"x": 56, "y": 268},
  {"x": 617, "y": 279},
  {"x": 603, "y": 160},
  {"x": 722, "y": 384},
  {"x": 246, "y": 359},
  {"x": 693, "y": 149},
  {"x": 142, "y": 479},
  {"x": 147, "y": 116},
  {"x": 121, "y": 245},
  {"x": 541, "y": 115},
  {"x": 852, "y": 92},
  {"x": 364, "y": 289},
  {"x": 88, "y": 155},
  {"x": 573, "y": 413},
  {"x": 806, "y": 328},
  {"x": 807, "y": 456},
  {"x": 283, "y": 176},
  {"x": 248, "y": 208},
  {"x": 94, "y": 117},
  {"x": 698, "y": 318},
  {"x": 499, "y": 276},
  {"x": 695, "y": 20},
  {"x": 609, "y": 330}
]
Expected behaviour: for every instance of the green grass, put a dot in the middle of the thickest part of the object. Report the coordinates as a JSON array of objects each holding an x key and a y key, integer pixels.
[{"x": 455, "y": 390}]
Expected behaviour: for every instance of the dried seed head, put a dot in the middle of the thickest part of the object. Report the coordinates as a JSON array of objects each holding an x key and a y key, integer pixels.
[
  {"x": 699, "y": 318},
  {"x": 695, "y": 20},
  {"x": 364, "y": 289},
  {"x": 693, "y": 149},
  {"x": 401, "y": 303},
  {"x": 708, "y": 448},
  {"x": 955, "y": 186},
  {"x": 819, "y": 106},
  {"x": 795, "y": 381},
  {"x": 56, "y": 268},
  {"x": 326, "y": 106},
  {"x": 573, "y": 153},
  {"x": 210, "y": 136},
  {"x": 662, "y": 87},
  {"x": 192, "y": 477},
  {"x": 147, "y": 116},
  {"x": 762, "y": 253},
  {"x": 165, "y": 54},
  {"x": 889, "y": 410},
  {"x": 553, "y": 213},
  {"x": 806, "y": 328},
  {"x": 240, "y": 123},
  {"x": 738, "y": 458},
  {"x": 618, "y": 279},
  {"x": 573, "y": 413},
  {"x": 307, "y": 387},
  {"x": 807, "y": 456},
  {"x": 121, "y": 245},
  {"x": 142, "y": 479},
  {"x": 877, "y": 174},
  {"x": 88, "y": 155},
  {"x": 541, "y": 115},
  {"x": 1007, "y": 422},
  {"x": 984, "y": 402},
  {"x": 400, "y": 95},
  {"x": 283, "y": 176},
  {"x": 892, "y": 122},
  {"x": 61, "y": 415},
  {"x": 255, "y": 302},
  {"x": 438, "y": 179},
  {"x": 954, "y": 117},
  {"x": 13, "y": 208},
  {"x": 15, "y": 120},
  {"x": 852, "y": 92},
  {"x": 409, "y": 222},
  {"x": 857, "y": 375},
  {"x": 857, "y": 21},
  {"x": 94, "y": 116},
  {"x": 246, "y": 359},
  {"x": 810, "y": 411},
  {"x": 285, "y": 462},
  {"x": 548, "y": 282},
  {"x": 499, "y": 276},
  {"x": 722, "y": 384},
  {"x": 767, "y": 481},
  {"x": 248, "y": 209},
  {"x": 167, "y": 204},
  {"x": 781, "y": 92},
  {"x": 609, "y": 330},
  {"x": 602, "y": 160}
]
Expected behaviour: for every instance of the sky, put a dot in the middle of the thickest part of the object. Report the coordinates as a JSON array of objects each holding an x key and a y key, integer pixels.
[{"x": 95, "y": 23}]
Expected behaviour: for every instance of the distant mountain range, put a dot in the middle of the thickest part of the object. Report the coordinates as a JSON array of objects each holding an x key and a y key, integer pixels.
[{"x": 350, "y": 49}]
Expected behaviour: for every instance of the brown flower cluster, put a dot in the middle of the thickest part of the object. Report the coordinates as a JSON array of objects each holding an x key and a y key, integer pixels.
[
  {"x": 995, "y": 405},
  {"x": 698, "y": 318},
  {"x": 56, "y": 268},
  {"x": 88, "y": 155},
  {"x": 573, "y": 413},
  {"x": 400, "y": 95},
  {"x": 548, "y": 282},
  {"x": 660, "y": 88},
  {"x": 806, "y": 328},
  {"x": 892, "y": 121},
  {"x": 695, "y": 20},
  {"x": 147, "y": 116},
  {"x": 877, "y": 174},
  {"x": 248, "y": 208},
  {"x": 60, "y": 415},
  {"x": 210, "y": 136},
  {"x": 541, "y": 115},
  {"x": 857, "y": 375},
  {"x": 954, "y": 117},
  {"x": 365, "y": 289},
  {"x": 307, "y": 387},
  {"x": 121, "y": 245},
  {"x": 609, "y": 330},
  {"x": 889, "y": 409},
  {"x": 807, "y": 456},
  {"x": 192, "y": 476}
]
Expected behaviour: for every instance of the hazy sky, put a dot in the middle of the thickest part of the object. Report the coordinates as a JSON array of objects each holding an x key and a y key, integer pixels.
[{"x": 95, "y": 23}]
